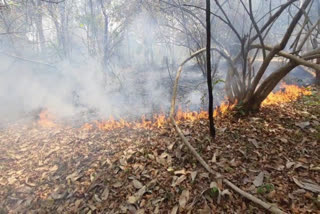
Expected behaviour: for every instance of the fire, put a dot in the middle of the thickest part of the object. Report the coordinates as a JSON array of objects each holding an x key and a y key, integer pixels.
[
  {"x": 46, "y": 119},
  {"x": 223, "y": 108},
  {"x": 287, "y": 94}
]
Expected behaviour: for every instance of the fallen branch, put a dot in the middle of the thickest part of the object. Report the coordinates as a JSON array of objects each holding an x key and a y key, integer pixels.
[{"x": 252, "y": 198}]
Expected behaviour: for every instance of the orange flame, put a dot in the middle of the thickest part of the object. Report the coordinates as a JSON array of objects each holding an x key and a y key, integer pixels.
[
  {"x": 287, "y": 94},
  {"x": 46, "y": 119},
  {"x": 224, "y": 108}
]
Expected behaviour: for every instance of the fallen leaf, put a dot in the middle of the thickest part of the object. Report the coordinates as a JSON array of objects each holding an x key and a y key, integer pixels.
[
  {"x": 254, "y": 142},
  {"x": 117, "y": 185},
  {"x": 289, "y": 164},
  {"x": 54, "y": 168},
  {"x": 284, "y": 140},
  {"x": 214, "y": 158},
  {"x": 179, "y": 180},
  {"x": 58, "y": 194},
  {"x": 137, "y": 184},
  {"x": 174, "y": 209},
  {"x": 315, "y": 168},
  {"x": 258, "y": 181},
  {"x": 226, "y": 192},
  {"x": 132, "y": 199},
  {"x": 183, "y": 199},
  {"x": 193, "y": 175},
  {"x": 303, "y": 125},
  {"x": 180, "y": 172},
  {"x": 105, "y": 194},
  {"x": 307, "y": 185}
]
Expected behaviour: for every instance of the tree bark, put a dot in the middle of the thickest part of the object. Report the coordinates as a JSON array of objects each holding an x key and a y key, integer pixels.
[
  {"x": 105, "y": 36},
  {"x": 253, "y": 104},
  {"x": 209, "y": 77},
  {"x": 317, "y": 80}
]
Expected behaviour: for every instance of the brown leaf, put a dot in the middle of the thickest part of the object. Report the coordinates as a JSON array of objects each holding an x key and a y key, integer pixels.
[
  {"x": 307, "y": 185},
  {"x": 254, "y": 142},
  {"x": 105, "y": 194},
  {"x": 180, "y": 172},
  {"x": 183, "y": 199},
  {"x": 137, "y": 196},
  {"x": 193, "y": 175},
  {"x": 117, "y": 184},
  {"x": 179, "y": 180},
  {"x": 137, "y": 184},
  {"x": 174, "y": 209}
]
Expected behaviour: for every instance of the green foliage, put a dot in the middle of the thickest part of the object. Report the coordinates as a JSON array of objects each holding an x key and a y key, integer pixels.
[
  {"x": 265, "y": 189},
  {"x": 214, "y": 192}
]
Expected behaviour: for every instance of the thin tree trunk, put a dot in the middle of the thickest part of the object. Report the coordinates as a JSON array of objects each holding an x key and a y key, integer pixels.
[
  {"x": 209, "y": 77},
  {"x": 317, "y": 81},
  {"x": 39, "y": 25},
  {"x": 105, "y": 36}
]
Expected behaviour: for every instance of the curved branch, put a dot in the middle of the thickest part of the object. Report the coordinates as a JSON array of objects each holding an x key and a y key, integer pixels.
[{"x": 298, "y": 60}]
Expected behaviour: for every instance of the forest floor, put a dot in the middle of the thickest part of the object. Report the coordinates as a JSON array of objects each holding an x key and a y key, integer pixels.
[{"x": 77, "y": 170}]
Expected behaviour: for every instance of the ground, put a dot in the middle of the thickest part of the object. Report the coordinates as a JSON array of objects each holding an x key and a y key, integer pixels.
[{"x": 134, "y": 170}]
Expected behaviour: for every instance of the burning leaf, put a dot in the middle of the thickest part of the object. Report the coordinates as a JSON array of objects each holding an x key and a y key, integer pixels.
[
  {"x": 258, "y": 181},
  {"x": 183, "y": 199}
]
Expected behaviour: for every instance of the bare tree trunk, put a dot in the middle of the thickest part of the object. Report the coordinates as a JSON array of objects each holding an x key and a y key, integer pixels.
[
  {"x": 266, "y": 87},
  {"x": 64, "y": 37},
  {"x": 105, "y": 36},
  {"x": 209, "y": 77},
  {"x": 39, "y": 25},
  {"x": 317, "y": 81}
]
